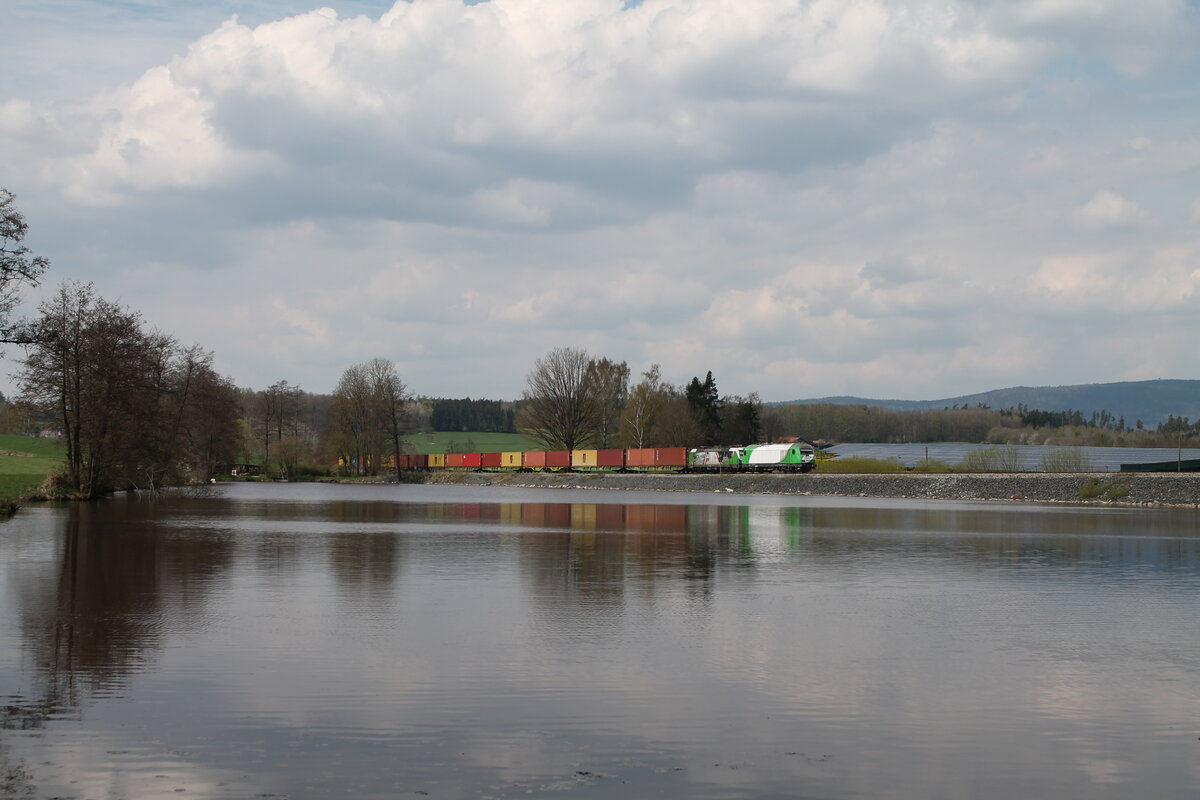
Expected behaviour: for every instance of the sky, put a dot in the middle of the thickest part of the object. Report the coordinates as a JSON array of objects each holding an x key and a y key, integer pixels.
[{"x": 908, "y": 199}]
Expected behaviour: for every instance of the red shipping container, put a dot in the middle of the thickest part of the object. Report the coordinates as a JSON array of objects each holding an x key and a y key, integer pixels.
[
  {"x": 610, "y": 458},
  {"x": 558, "y": 458},
  {"x": 490, "y": 460},
  {"x": 455, "y": 460},
  {"x": 643, "y": 457},
  {"x": 535, "y": 459},
  {"x": 472, "y": 460},
  {"x": 420, "y": 461},
  {"x": 670, "y": 457}
]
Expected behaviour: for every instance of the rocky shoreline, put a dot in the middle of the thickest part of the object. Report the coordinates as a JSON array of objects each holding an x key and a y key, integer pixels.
[{"x": 1124, "y": 489}]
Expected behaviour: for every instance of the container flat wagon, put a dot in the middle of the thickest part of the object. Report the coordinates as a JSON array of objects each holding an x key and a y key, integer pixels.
[{"x": 792, "y": 457}]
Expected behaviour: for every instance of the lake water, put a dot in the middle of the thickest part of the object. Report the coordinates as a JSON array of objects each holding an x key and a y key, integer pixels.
[{"x": 311, "y": 641}]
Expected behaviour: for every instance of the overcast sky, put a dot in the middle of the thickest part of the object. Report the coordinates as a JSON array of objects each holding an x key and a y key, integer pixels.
[{"x": 889, "y": 199}]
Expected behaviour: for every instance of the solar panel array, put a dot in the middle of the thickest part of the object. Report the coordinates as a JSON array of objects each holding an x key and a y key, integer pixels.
[{"x": 1029, "y": 458}]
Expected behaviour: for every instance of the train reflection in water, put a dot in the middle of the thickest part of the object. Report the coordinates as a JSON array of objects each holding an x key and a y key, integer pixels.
[
  {"x": 1003, "y": 533},
  {"x": 760, "y": 524}
]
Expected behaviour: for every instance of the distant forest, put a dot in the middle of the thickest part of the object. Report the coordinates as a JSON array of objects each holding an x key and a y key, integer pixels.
[{"x": 483, "y": 416}]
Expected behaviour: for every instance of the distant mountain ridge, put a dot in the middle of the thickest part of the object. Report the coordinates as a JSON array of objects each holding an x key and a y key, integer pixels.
[{"x": 1149, "y": 401}]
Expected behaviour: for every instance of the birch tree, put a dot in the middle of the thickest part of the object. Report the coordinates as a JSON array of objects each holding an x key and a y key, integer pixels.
[{"x": 643, "y": 406}]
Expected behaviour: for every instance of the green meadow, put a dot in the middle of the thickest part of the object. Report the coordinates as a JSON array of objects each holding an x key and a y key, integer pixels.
[
  {"x": 25, "y": 462},
  {"x": 468, "y": 442}
]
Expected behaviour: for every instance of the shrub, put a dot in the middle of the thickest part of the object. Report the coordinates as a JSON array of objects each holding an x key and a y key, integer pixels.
[
  {"x": 991, "y": 459},
  {"x": 311, "y": 469},
  {"x": 1116, "y": 492},
  {"x": 844, "y": 466},
  {"x": 1110, "y": 489},
  {"x": 1066, "y": 459},
  {"x": 932, "y": 466}
]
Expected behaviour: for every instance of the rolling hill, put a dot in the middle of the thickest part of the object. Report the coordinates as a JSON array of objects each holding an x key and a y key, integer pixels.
[{"x": 1149, "y": 401}]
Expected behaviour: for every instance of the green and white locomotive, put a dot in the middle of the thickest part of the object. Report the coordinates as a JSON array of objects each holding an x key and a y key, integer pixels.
[{"x": 794, "y": 457}]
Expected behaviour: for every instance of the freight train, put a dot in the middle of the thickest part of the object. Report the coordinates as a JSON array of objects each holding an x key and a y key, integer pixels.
[{"x": 790, "y": 457}]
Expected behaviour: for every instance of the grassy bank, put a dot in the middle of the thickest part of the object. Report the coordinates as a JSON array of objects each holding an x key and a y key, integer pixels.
[{"x": 24, "y": 463}]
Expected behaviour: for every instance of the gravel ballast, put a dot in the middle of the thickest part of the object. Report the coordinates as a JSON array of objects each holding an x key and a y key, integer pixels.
[{"x": 1132, "y": 489}]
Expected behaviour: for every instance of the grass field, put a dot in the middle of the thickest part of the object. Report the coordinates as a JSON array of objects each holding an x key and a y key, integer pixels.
[
  {"x": 24, "y": 463},
  {"x": 31, "y": 445},
  {"x": 468, "y": 442}
]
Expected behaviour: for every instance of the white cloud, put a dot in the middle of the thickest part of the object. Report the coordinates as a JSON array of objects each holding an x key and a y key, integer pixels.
[
  {"x": 298, "y": 319},
  {"x": 878, "y": 193},
  {"x": 157, "y": 135},
  {"x": 16, "y": 116},
  {"x": 1109, "y": 210},
  {"x": 435, "y": 81},
  {"x": 1134, "y": 37},
  {"x": 1122, "y": 282}
]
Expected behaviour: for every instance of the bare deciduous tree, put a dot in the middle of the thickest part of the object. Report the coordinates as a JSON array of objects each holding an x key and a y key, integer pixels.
[
  {"x": 136, "y": 410},
  {"x": 675, "y": 425},
  {"x": 275, "y": 414},
  {"x": 351, "y": 415},
  {"x": 18, "y": 267},
  {"x": 608, "y": 383},
  {"x": 642, "y": 408},
  {"x": 391, "y": 398},
  {"x": 558, "y": 411},
  {"x": 369, "y": 414}
]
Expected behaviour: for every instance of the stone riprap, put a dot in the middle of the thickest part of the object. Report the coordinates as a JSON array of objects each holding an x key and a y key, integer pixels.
[{"x": 1100, "y": 488}]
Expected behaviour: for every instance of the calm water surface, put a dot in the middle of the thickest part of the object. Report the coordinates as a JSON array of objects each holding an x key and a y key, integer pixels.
[{"x": 387, "y": 642}]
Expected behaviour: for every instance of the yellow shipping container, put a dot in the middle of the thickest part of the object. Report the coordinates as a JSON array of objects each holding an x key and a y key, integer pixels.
[
  {"x": 437, "y": 460},
  {"x": 511, "y": 460},
  {"x": 583, "y": 458}
]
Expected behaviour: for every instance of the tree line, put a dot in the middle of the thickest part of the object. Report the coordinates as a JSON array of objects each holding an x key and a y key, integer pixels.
[
  {"x": 135, "y": 408},
  {"x": 573, "y": 400}
]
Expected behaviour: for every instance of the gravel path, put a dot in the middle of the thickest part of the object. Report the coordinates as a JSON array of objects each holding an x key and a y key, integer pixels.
[{"x": 1149, "y": 489}]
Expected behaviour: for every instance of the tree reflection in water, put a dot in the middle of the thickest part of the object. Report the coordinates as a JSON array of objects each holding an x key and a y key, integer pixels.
[{"x": 369, "y": 623}]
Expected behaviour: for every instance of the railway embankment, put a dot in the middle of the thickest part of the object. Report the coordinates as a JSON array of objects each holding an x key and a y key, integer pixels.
[{"x": 1130, "y": 489}]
